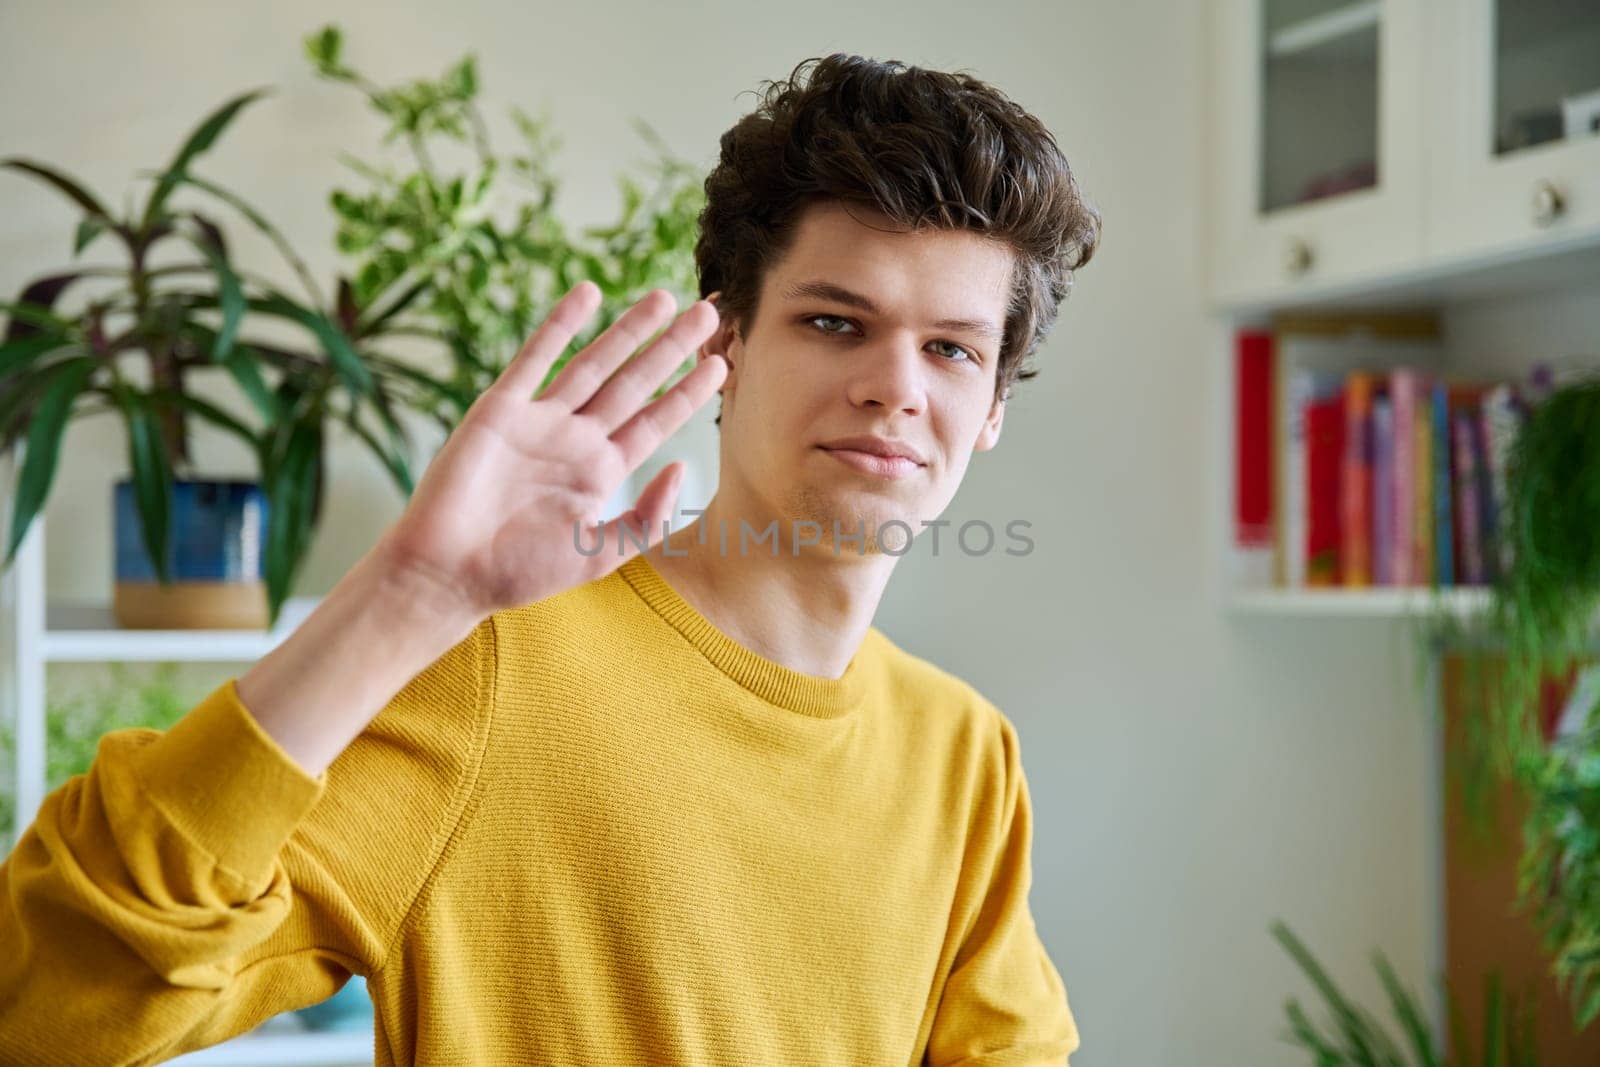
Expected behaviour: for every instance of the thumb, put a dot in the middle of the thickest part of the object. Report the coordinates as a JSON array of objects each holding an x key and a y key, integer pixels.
[
  {"x": 647, "y": 519},
  {"x": 656, "y": 501}
]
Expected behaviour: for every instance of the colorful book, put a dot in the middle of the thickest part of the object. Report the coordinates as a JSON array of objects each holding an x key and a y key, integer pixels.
[
  {"x": 1469, "y": 511},
  {"x": 1324, "y": 432},
  {"x": 1422, "y": 571},
  {"x": 1306, "y": 387},
  {"x": 1252, "y": 447},
  {"x": 1404, "y": 386},
  {"x": 1383, "y": 491},
  {"x": 1338, "y": 345},
  {"x": 1443, "y": 524},
  {"x": 1355, "y": 482}
]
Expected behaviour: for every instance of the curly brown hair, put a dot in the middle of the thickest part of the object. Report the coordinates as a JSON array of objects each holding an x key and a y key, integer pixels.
[{"x": 923, "y": 147}]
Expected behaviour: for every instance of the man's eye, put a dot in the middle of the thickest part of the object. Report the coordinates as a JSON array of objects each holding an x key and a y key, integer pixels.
[
  {"x": 959, "y": 352},
  {"x": 828, "y": 319},
  {"x": 956, "y": 353}
]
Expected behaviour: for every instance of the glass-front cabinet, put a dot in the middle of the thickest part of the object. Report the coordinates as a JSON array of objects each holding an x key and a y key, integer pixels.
[
  {"x": 1515, "y": 148},
  {"x": 1358, "y": 141},
  {"x": 1318, "y": 111},
  {"x": 1316, "y": 153}
]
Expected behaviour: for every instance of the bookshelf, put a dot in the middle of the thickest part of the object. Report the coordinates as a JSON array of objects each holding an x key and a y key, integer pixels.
[
  {"x": 1450, "y": 182},
  {"x": 1379, "y": 603},
  {"x": 39, "y": 632},
  {"x": 1545, "y": 308}
]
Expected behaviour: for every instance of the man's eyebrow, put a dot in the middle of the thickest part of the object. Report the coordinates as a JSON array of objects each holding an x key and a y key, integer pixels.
[{"x": 821, "y": 290}]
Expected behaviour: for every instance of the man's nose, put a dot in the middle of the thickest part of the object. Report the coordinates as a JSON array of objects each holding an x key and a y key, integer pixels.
[{"x": 891, "y": 375}]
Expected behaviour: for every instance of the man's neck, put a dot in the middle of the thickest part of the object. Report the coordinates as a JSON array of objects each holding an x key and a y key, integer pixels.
[{"x": 808, "y": 612}]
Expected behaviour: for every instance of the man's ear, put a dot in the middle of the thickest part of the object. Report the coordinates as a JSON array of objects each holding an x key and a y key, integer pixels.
[
  {"x": 989, "y": 434},
  {"x": 724, "y": 342}
]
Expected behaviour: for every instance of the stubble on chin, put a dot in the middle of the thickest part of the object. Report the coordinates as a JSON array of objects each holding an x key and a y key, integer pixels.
[{"x": 808, "y": 503}]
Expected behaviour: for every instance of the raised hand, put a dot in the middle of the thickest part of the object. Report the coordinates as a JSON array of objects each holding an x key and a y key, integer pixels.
[{"x": 492, "y": 520}]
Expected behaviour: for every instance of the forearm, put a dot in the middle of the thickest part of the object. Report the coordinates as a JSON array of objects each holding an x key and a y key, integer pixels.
[{"x": 378, "y": 628}]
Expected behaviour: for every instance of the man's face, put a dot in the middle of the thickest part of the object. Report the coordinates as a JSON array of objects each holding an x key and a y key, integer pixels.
[{"x": 863, "y": 328}]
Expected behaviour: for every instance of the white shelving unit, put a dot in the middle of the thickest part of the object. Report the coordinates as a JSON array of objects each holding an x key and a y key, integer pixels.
[
  {"x": 39, "y": 633},
  {"x": 1389, "y": 602},
  {"x": 275, "y": 1046},
  {"x": 1503, "y": 244},
  {"x": 44, "y": 633}
]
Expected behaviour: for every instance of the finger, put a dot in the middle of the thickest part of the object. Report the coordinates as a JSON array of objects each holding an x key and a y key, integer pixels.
[
  {"x": 643, "y": 434},
  {"x": 526, "y": 371},
  {"x": 645, "y": 522},
  {"x": 655, "y": 501},
  {"x": 619, "y": 398},
  {"x": 590, "y": 368}
]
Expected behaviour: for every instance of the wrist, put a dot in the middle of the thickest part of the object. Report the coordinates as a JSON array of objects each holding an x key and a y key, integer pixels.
[{"x": 416, "y": 588}]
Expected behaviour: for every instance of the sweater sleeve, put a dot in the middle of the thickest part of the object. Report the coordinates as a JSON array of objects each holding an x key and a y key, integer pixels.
[
  {"x": 195, "y": 882},
  {"x": 1003, "y": 1004}
]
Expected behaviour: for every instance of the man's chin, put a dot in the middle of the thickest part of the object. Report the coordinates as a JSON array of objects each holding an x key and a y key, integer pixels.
[{"x": 861, "y": 518}]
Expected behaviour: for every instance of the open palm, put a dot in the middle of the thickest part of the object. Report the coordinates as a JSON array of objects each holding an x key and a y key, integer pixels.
[{"x": 493, "y": 519}]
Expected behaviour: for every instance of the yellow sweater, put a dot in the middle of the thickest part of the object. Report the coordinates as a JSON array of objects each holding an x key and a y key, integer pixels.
[{"x": 596, "y": 831}]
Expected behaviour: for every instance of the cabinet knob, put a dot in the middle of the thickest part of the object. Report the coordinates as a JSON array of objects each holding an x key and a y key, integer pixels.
[
  {"x": 1548, "y": 203},
  {"x": 1296, "y": 257}
]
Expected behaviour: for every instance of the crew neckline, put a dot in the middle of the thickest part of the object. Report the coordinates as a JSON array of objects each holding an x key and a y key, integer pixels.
[{"x": 804, "y": 694}]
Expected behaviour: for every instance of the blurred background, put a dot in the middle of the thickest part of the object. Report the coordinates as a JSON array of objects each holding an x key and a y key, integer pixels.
[{"x": 1222, "y": 724}]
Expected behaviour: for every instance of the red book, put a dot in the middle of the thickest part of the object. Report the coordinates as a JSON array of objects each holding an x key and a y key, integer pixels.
[
  {"x": 1253, "y": 440},
  {"x": 1325, "y": 453}
]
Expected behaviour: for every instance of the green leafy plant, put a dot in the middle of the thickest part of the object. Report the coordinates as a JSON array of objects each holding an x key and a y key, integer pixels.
[
  {"x": 1541, "y": 626},
  {"x": 1356, "y": 1038},
  {"x": 445, "y": 257},
  {"x": 1559, "y": 875},
  {"x": 144, "y": 330},
  {"x": 460, "y": 245}
]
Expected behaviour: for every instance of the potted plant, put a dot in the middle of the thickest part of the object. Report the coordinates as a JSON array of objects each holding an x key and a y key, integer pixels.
[
  {"x": 431, "y": 262},
  {"x": 140, "y": 336},
  {"x": 1356, "y": 1037},
  {"x": 1539, "y": 632},
  {"x": 470, "y": 257}
]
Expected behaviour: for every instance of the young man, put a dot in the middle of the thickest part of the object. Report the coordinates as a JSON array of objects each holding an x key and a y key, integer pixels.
[{"x": 674, "y": 806}]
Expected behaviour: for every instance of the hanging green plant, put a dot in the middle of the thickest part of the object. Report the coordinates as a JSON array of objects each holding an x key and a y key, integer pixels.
[{"x": 1541, "y": 626}]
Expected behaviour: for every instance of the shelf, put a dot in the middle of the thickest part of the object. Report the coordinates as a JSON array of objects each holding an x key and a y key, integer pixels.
[
  {"x": 1557, "y": 263},
  {"x": 87, "y": 633},
  {"x": 1359, "y": 603},
  {"x": 281, "y": 1049},
  {"x": 1323, "y": 29}
]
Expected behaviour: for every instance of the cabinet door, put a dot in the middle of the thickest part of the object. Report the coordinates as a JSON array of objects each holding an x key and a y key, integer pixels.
[
  {"x": 1515, "y": 152},
  {"x": 1317, "y": 154}
]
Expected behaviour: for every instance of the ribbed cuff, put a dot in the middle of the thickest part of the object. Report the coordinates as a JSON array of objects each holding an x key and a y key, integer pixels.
[{"x": 227, "y": 785}]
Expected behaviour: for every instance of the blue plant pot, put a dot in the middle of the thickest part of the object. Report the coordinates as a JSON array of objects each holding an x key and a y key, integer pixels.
[
  {"x": 214, "y": 556},
  {"x": 347, "y": 1010}
]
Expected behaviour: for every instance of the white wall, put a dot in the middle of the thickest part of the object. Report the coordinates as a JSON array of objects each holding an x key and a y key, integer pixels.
[{"x": 1194, "y": 776}]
